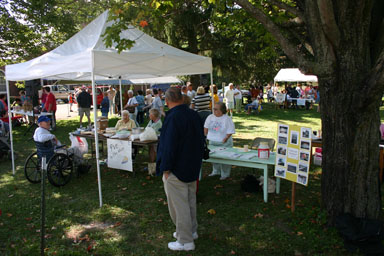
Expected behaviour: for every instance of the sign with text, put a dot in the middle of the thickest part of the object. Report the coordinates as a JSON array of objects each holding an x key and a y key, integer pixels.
[
  {"x": 293, "y": 153},
  {"x": 120, "y": 154}
]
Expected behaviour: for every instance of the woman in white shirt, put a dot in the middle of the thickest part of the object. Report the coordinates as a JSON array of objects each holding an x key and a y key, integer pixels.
[{"x": 218, "y": 128}]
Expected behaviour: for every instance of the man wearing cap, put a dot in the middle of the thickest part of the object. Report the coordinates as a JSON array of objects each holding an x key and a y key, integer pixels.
[
  {"x": 42, "y": 133},
  {"x": 84, "y": 101}
]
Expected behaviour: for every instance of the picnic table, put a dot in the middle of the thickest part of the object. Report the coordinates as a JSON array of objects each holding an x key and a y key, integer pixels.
[
  {"x": 237, "y": 157},
  {"x": 151, "y": 144}
]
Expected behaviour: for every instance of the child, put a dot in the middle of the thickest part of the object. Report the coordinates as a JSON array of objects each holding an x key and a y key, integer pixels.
[{"x": 105, "y": 105}]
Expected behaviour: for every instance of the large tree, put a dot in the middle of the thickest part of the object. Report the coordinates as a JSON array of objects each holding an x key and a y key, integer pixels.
[
  {"x": 241, "y": 49},
  {"x": 342, "y": 43}
]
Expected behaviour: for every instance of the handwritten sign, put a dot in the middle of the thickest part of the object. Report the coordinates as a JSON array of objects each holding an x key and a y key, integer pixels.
[{"x": 120, "y": 154}]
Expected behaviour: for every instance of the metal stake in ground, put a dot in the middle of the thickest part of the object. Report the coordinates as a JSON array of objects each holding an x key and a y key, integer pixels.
[{"x": 42, "y": 230}]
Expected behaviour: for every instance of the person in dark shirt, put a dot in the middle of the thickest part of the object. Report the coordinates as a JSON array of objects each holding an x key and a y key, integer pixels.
[
  {"x": 179, "y": 158},
  {"x": 84, "y": 101}
]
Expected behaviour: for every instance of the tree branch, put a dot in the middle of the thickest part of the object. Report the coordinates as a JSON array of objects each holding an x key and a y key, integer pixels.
[
  {"x": 289, "y": 48},
  {"x": 288, "y": 8},
  {"x": 328, "y": 21}
]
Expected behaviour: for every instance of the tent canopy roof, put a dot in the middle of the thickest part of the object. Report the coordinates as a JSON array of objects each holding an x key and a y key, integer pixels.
[
  {"x": 86, "y": 52},
  {"x": 293, "y": 75},
  {"x": 156, "y": 80}
]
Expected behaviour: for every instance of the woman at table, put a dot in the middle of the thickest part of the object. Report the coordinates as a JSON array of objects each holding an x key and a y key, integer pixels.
[
  {"x": 125, "y": 123},
  {"x": 218, "y": 128},
  {"x": 155, "y": 121}
]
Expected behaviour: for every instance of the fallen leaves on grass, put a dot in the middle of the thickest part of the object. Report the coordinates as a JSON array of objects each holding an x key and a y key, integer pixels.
[
  {"x": 124, "y": 188},
  {"x": 9, "y": 214},
  {"x": 11, "y": 195},
  {"x": 218, "y": 186},
  {"x": 299, "y": 233},
  {"x": 212, "y": 211},
  {"x": 143, "y": 184},
  {"x": 116, "y": 224},
  {"x": 258, "y": 215},
  {"x": 233, "y": 252},
  {"x": 28, "y": 218}
]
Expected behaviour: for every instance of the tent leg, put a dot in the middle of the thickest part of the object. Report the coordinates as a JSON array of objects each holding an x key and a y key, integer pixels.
[
  {"x": 121, "y": 96},
  {"x": 10, "y": 129},
  {"x": 96, "y": 135}
]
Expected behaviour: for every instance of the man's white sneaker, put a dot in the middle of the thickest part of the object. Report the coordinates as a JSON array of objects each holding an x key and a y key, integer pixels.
[
  {"x": 213, "y": 174},
  {"x": 223, "y": 178},
  {"x": 194, "y": 235},
  {"x": 176, "y": 246}
]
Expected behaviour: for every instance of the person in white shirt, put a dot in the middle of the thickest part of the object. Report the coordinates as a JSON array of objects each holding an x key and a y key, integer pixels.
[
  {"x": 238, "y": 98},
  {"x": 218, "y": 128},
  {"x": 191, "y": 93},
  {"x": 42, "y": 133},
  {"x": 111, "y": 96},
  {"x": 132, "y": 107},
  {"x": 230, "y": 99}
]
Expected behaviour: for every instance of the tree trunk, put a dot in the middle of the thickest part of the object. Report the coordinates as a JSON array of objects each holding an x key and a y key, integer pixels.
[{"x": 350, "y": 167}]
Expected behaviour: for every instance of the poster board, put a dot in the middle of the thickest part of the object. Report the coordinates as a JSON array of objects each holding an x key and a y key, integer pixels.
[
  {"x": 120, "y": 154},
  {"x": 293, "y": 153}
]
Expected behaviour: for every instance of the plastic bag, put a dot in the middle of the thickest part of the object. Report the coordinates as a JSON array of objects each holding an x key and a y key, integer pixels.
[
  {"x": 80, "y": 143},
  {"x": 148, "y": 134}
]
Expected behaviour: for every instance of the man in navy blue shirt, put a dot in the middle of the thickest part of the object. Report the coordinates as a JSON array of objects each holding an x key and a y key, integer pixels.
[{"x": 179, "y": 158}]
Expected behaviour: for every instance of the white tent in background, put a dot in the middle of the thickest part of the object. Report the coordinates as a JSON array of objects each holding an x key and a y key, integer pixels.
[
  {"x": 85, "y": 57},
  {"x": 293, "y": 75}
]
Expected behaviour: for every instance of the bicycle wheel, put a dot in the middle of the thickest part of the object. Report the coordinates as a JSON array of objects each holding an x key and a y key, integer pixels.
[
  {"x": 32, "y": 168},
  {"x": 59, "y": 170}
]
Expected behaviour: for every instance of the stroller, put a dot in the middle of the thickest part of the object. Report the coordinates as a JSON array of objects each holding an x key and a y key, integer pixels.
[{"x": 5, "y": 147}]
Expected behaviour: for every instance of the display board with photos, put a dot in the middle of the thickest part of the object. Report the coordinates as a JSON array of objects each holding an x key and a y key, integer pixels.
[{"x": 293, "y": 153}]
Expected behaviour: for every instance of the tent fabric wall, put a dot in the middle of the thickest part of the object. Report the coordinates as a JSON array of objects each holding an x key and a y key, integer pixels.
[{"x": 293, "y": 75}]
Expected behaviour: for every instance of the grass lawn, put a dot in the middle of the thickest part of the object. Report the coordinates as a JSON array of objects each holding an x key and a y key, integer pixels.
[{"x": 135, "y": 221}]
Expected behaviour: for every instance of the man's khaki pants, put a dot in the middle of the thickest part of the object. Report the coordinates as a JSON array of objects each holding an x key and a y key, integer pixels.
[{"x": 181, "y": 199}]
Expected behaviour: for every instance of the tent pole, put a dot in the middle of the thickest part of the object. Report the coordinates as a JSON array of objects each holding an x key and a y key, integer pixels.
[
  {"x": 10, "y": 128},
  {"x": 96, "y": 134},
  {"x": 121, "y": 97},
  {"x": 211, "y": 88}
]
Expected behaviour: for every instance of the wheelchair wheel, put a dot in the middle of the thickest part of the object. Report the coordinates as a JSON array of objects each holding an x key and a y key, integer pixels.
[
  {"x": 59, "y": 170},
  {"x": 32, "y": 168}
]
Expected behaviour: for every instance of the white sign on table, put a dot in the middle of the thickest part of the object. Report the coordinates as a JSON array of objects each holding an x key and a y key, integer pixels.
[{"x": 120, "y": 154}]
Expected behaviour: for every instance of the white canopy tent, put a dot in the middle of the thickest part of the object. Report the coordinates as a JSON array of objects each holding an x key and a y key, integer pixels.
[
  {"x": 85, "y": 57},
  {"x": 293, "y": 75}
]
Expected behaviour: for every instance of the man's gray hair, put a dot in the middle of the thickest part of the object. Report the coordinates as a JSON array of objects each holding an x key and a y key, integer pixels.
[{"x": 173, "y": 94}]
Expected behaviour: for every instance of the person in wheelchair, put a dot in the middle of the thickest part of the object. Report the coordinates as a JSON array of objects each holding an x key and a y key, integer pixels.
[{"x": 45, "y": 141}]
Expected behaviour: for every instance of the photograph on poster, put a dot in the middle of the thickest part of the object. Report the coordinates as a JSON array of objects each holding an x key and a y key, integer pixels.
[
  {"x": 305, "y": 133},
  {"x": 280, "y": 172},
  {"x": 283, "y": 140},
  {"x": 293, "y": 153},
  {"x": 281, "y": 150},
  {"x": 304, "y": 144},
  {"x": 304, "y": 156},
  {"x": 303, "y": 168},
  {"x": 292, "y": 168},
  {"x": 281, "y": 161},
  {"x": 294, "y": 137},
  {"x": 283, "y": 129},
  {"x": 302, "y": 179}
]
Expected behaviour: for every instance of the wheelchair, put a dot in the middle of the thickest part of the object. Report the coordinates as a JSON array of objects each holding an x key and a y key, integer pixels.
[{"x": 61, "y": 164}]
